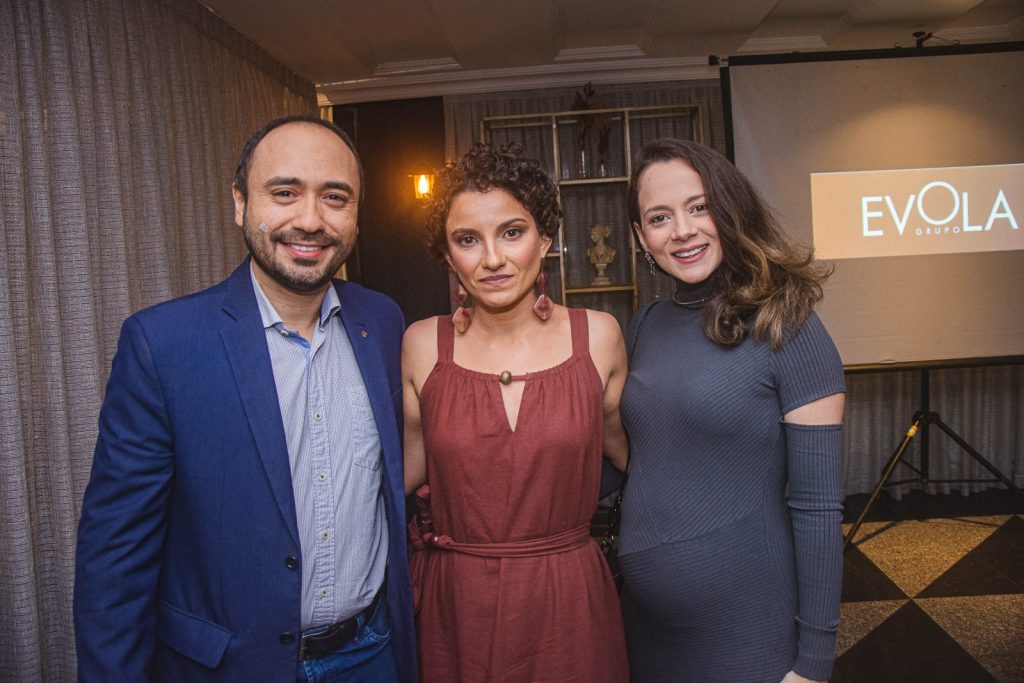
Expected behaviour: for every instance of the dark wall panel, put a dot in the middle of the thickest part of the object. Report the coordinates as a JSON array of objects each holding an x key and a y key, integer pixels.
[{"x": 391, "y": 255}]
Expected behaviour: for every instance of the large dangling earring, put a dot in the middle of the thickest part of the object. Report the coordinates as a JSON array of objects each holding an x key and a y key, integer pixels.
[
  {"x": 461, "y": 317},
  {"x": 650, "y": 260},
  {"x": 543, "y": 306}
]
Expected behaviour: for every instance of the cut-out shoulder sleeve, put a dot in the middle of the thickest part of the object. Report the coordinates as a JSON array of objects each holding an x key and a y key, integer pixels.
[{"x": 807, "y": 367}]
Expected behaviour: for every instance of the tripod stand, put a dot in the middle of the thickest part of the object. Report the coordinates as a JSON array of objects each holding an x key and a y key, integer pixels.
[{"x": 921, "y": 421}]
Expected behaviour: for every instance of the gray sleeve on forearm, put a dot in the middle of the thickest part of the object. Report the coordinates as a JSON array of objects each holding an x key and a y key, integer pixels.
[{"x": 815, "y": 503}]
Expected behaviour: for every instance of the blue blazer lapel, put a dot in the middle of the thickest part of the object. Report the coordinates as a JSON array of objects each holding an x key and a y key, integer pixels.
[{"x": 246, "y": 345}]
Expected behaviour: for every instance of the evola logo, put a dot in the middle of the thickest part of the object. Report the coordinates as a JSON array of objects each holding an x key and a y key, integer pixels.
[
  {"x": 893, "y": 213},
  {"x": 919, "y": 205}
]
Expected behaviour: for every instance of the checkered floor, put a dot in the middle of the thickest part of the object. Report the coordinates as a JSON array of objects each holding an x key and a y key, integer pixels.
[{"x": 935, "y": 599}]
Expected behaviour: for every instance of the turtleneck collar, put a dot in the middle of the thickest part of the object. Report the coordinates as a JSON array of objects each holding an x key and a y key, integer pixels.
[{"x": 697, "y": 294}]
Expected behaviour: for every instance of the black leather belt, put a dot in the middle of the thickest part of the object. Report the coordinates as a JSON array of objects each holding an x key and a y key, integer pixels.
[{"x": 335, "y": 636}]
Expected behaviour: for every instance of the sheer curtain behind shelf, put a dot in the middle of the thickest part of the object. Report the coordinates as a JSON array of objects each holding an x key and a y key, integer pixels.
[
  {"x": 464, "y": 112},
  {"x": 582, "y": 158}
]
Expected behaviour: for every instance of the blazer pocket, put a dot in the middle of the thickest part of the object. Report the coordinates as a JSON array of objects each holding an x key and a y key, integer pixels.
[{"x": 192, "y": 636}]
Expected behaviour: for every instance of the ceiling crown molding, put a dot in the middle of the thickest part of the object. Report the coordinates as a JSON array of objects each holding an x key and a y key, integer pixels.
[
  {"x": 415, "y": 66},
  {"x": 578, "y": 54},
  {"x": 784, "y": 44},
  {"x": 984, "y": 34},
  {"x": 431, "y": 84}
]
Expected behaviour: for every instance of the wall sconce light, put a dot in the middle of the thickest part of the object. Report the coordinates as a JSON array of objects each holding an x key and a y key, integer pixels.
[{"x": 423, "y": 184}]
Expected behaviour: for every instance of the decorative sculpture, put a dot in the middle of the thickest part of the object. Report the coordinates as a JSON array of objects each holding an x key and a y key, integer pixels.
[{"x": 601, "y": 254}]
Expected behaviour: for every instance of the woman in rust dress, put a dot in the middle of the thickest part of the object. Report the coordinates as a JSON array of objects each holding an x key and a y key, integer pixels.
[{"x": 508, "y": 409}]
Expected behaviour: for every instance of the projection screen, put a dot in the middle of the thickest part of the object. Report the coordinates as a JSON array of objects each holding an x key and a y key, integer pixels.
[{"x": 907, "y": 173}]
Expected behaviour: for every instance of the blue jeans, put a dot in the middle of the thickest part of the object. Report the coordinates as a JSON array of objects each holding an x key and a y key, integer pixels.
[{"x": 366, "y": 658}]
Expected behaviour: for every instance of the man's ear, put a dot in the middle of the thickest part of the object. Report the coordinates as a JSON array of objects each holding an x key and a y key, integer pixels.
[{"x": 240, "y": 202}]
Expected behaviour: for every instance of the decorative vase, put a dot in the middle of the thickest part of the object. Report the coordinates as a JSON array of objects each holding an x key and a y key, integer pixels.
[{"x": 582, "y": 161}]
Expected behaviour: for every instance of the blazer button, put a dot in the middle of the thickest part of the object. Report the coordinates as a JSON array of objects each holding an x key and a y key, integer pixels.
[
  {"x": 287, "y": 638},
  {"x": 291, "y": 562}
]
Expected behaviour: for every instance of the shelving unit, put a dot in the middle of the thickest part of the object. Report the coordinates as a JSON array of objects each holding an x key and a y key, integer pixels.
[{"x": 589, "y": 154}]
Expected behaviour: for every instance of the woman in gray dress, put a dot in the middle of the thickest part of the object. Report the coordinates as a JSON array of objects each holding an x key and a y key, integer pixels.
[{"x": 731, "y": 539}]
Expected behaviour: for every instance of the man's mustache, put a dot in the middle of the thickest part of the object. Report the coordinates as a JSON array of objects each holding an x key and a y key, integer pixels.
[{"x": 319, "y": 238}]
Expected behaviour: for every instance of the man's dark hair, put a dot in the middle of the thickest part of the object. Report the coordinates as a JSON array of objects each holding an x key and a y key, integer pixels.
[{"x": 245, "y": 162}]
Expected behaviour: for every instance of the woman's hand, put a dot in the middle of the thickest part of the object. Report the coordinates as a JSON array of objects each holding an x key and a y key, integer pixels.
[{"x": 794, "y": 677}]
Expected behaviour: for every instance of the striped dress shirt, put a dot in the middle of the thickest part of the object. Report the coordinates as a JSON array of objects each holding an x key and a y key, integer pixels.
[{"x": 335, "y": 456}]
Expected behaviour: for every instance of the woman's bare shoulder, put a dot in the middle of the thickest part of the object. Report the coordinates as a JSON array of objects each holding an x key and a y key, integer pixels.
[
  {"x": 421, "y": 330},
  {"x": 419, "y": 345},
  {"x": 604, "y": 330}
]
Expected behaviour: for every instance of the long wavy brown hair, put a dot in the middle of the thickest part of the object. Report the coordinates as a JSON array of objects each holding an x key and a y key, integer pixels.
[
  {"x": 484, "y": 168},
  {"x": 768, "y": 285}
]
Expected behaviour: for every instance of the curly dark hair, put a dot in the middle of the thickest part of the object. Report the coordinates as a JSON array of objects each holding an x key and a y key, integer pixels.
[
  {"x": 484, "y": 168},
  {"x": 769, "y": 285}
]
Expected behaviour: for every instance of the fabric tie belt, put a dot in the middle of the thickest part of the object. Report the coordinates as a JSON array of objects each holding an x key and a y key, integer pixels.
[
  {"x": 548, "y": 545},
  {"x": 422, "y": 536}
]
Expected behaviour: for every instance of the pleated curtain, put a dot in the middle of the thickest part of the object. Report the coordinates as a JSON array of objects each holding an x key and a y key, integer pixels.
[{"x": 121, "y": 122}]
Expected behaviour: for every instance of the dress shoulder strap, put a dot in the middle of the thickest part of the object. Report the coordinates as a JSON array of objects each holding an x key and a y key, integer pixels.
[
  {"x": 445, "y": 338},
  {"x": 580, "y": 327}
]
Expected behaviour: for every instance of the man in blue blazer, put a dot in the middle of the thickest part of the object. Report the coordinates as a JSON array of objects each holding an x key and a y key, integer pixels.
[{"x": 244, "y": 520}]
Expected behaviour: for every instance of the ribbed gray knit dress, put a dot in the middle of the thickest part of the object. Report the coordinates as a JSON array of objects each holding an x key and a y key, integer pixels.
[{"x": 729, "y": 576}]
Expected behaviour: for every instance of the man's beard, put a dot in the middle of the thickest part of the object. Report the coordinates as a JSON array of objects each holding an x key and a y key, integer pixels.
[{"x": 298, "y": 279}]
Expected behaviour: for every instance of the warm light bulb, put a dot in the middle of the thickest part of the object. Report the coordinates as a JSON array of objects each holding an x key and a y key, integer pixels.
[{"x": 422, "y": 186}]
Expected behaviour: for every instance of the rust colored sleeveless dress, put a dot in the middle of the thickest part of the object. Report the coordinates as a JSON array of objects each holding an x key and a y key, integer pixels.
[{"x": 507, "y": 583}]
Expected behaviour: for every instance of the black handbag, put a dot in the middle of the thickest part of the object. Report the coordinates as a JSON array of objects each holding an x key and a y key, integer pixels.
[{"x": 609, "y": 540}]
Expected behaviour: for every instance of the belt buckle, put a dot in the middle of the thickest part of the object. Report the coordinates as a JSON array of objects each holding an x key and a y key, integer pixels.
[
  {"x": 304, "y": 641},
  {"x": 304, "y": 645}
]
